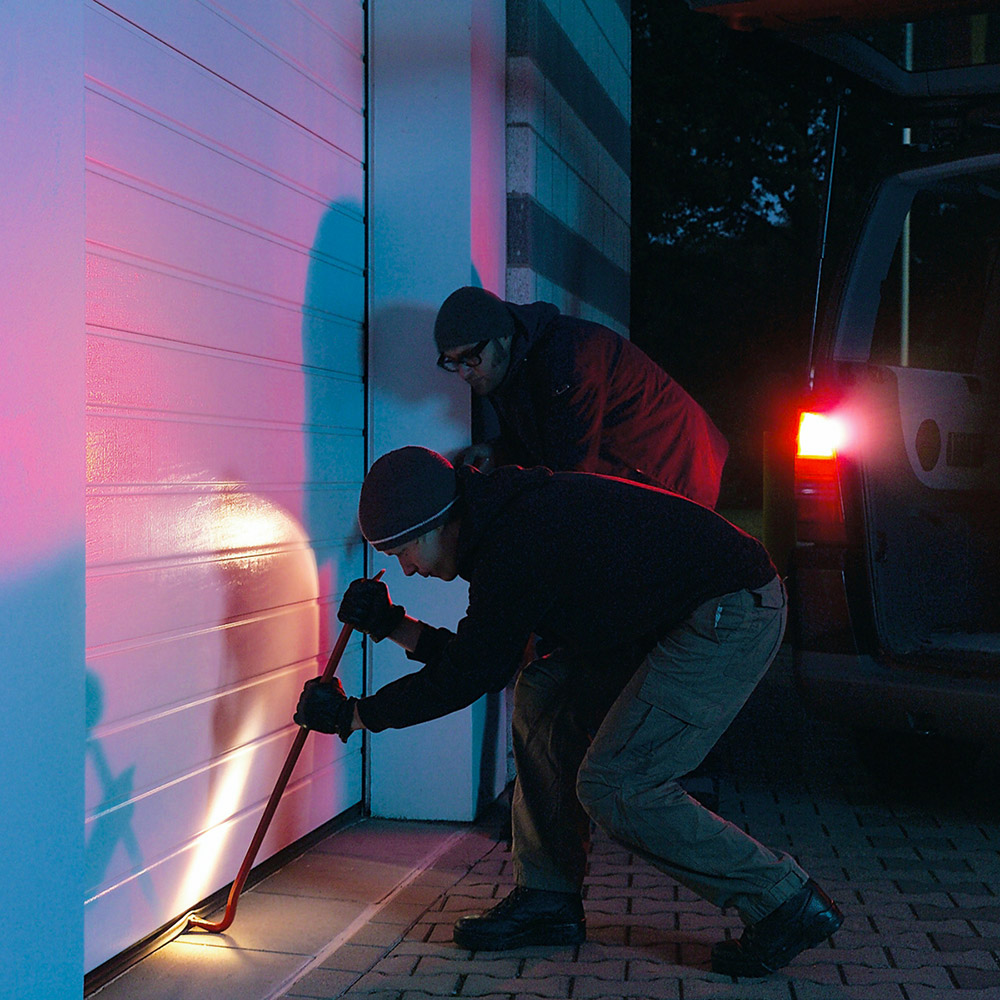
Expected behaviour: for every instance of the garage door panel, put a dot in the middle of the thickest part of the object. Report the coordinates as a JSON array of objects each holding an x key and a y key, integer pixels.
[
  {"x": 158, "y": 227},
  {"x": 136, "y": 527},
  {"x": 225, "y": 220},
  {"x": 210, "y": 384},
  {"x": 124, "y": 449},
  {"x": 198, "y": 804},
  {"x": 304, "y": 39},
  {"x": 207, "y": 732},
  {"x": 341, "y": 17},
  {"x": 138, "y": 678},
  {"x": 140, "y": 298},
  {"x": 163, "y": 227},
  {"x": 193, "y": 171},
  {"x": 167, "y": 885},
  {"x": 203, "y": 36},
  {"x": 128, "y": 67},
  {"x": 159, "y": 601}
]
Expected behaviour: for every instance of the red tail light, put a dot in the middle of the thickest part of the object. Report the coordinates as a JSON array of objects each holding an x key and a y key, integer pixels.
[{"x": 818, "y": 502}]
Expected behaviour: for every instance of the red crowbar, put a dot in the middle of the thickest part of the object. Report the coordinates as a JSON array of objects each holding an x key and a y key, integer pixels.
[{"x": 272, "y": 803}]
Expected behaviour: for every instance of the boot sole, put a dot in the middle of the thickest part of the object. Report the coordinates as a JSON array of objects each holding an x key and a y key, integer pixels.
[
  {"x": 575, "y": 933},
  {"x": 735, "y": 963}
]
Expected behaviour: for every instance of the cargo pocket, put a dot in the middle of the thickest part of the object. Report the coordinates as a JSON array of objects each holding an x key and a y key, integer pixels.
[{"x": 704, "y": 670}]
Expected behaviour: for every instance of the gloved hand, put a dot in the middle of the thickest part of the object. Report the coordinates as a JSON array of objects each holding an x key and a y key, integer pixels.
[
  {"x": 326, "y": 708},
  {"x": 367, "y": 607},
  {"x": 480, "y": 455}
]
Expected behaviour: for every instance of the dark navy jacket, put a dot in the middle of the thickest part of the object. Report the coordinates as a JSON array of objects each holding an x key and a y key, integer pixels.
[
  {"x": 586, "y": 563},
  {"x": 578, "y": 397}
]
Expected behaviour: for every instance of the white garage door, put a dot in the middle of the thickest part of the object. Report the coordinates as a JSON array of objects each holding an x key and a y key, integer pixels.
[{"x": 225, "y": 421}]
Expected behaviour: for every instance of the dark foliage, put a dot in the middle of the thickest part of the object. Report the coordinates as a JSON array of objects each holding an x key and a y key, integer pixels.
[{"x": 730, "y": 153}]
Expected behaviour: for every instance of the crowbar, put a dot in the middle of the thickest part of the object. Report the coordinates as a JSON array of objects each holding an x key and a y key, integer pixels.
[{"x": 218, "y": 927}]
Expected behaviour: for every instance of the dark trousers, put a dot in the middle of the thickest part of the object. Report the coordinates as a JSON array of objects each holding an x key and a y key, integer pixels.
[{"x": 670, "y": 713}]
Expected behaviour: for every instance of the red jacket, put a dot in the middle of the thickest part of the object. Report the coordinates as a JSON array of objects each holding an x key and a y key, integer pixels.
[{"x": 578, "y": 397}]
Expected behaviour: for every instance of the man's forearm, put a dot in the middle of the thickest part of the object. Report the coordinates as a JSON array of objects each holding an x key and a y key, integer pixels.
[{"x": 407, "y": 633}]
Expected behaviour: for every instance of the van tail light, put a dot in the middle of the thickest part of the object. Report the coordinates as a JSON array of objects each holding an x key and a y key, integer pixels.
[{"x": 818, "y": 501}]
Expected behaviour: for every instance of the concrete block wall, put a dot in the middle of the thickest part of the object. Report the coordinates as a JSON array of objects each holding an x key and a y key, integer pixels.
[{"x": 568, "y": 156}]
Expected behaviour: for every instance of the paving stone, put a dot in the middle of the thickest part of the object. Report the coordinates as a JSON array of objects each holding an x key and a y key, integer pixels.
[
  {"x": 324, "y": 983},
  {"x": 806, "y": 969},
  {"x": 611, "y": 933},
  {"x": 441, "y": 933},
  {"x": 923, "y": 911},
  {"x": 897, "y": 909},
  {"x": 593, "y": 989},
  {"x": 618, "y": 906},
  {"x": 421, "y": 948},
  {"x": 478, "y": 985},
  {"x": 871, "y": 956},
  {"x": 917, "y": 940},
  {"x": 396, "y": 964},
  {"x": 928, "y": 975},
  {"x": 606, "y": 969},
  {"x": 356, "y": 994},
  {"x": 380, "y": 935},
  {"x": 420, "y": 931},
  {"x": 916, "y": 958},
  {"x": 920, "y": 992},
  {"x": 971, "y": 978},
  {"x": 965, "y": 942},
  {"x": 424, "y": 895},
  {"x": 720, "y": 988},
  {"x": 830, "y": 991},
  {"x": 438, "y": 984},
  {"x": 397, "y": 912},
  {"x": 420, "y": 995},
  {"x": 352, "y": 957},
  {"x": 461, "y": 963},
  {"x": 886, "y": 893},
  {"x": 915, "y": 865},
  {"x": 890, "y": 927},
  {"x": 972, "y": 895},
  {"x": 919, "y": 887}
]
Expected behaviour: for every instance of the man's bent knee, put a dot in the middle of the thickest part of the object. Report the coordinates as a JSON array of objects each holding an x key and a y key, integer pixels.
[{"x": 598, "y": 792}]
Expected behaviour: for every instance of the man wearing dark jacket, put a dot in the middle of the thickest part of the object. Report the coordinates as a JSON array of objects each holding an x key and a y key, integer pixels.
[
  {"x": 662, "y": 617},
  {"x": 575, "y": 396}
]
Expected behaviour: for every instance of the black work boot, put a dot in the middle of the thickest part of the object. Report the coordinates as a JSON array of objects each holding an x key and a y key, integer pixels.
[
  {"x": 803, "y": 921},
  {"x": 525, "y": 916}
]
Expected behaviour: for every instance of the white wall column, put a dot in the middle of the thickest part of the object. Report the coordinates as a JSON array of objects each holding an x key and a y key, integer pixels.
[
  {"x": 436, "y": 222},
  {"x": 41, "y": 498}
]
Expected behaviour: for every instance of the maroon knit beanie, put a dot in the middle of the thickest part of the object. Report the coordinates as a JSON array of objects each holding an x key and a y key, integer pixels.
[
  {"x": 470, "y": 315},
  {"x": 406, "y": 493}
]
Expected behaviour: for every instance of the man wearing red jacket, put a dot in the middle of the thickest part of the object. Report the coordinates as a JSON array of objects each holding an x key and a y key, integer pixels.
[
  {"x": 661, "y": 617},
  {"x": 575, "y": 396}
]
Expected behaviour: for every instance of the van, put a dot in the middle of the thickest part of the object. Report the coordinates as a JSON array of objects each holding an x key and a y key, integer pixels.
[{"x": 894, "y": 563}]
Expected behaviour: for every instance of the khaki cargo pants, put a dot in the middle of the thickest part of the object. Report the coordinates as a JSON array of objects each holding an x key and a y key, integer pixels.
[{"x": 672, "y": 711}]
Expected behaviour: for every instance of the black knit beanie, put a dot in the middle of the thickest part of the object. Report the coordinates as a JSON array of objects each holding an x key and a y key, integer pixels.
[
  {"x": 406, "y": 493},
  {"x": 470, "y": 315}
]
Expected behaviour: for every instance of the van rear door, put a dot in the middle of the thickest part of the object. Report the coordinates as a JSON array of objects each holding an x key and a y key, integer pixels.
[{"x": 916, "y": 345}]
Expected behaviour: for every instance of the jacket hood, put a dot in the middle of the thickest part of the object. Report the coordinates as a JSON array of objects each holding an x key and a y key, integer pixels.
[
  {"x": 529, "y": 321},
  {"x": 483, "y": 498}
]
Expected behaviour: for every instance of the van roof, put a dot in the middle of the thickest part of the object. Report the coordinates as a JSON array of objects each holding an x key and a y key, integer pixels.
[{"x": 913, "y": 48}]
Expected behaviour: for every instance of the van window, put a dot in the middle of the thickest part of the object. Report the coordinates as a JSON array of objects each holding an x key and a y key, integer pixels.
[
  {"x": 937, "y": 300},
  {"x": 942, "y": 42}
]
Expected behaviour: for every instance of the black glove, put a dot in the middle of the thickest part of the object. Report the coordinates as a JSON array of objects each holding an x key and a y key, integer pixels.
[
  {"x": 326, "y": 708},
  {"x": 366, "y": 606}
]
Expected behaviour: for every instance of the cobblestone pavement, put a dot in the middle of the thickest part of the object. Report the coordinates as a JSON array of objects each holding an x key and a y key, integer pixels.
[{"x": 914, "y": 864}]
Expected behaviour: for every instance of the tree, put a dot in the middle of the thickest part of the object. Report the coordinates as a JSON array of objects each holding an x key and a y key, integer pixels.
[{"x": 730, "y": 153}]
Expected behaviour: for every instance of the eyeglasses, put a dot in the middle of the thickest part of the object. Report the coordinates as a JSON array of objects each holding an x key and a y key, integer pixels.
[{"x": 471, "y": 358}]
